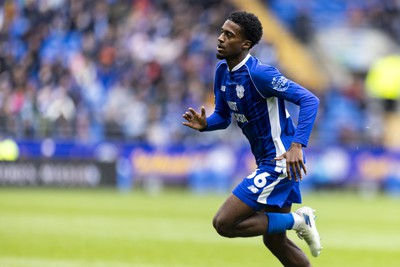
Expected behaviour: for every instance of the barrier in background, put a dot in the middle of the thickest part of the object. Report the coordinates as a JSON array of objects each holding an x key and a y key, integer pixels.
[
  {"x": 214, "y": 167},
  {"x": 50, "y": 172}
]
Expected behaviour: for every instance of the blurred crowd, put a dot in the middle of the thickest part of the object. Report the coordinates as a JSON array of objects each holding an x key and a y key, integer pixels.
[
  {"x": 355, "y": 36},
  {"x": 128, "y": 69},
  {"x": 306, "y": 17},
  {"x": 95, "y": 70}
]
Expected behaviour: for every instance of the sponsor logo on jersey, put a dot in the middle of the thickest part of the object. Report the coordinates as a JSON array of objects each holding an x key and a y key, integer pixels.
[
  {"x": 240, "y": 91},
  {"x": 232, "y": 105},
  {"x": 240, "y": 118},
  {"x": 280, "y": 83}
]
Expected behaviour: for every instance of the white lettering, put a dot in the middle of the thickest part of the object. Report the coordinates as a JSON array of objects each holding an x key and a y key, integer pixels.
[
  {"x": 240, "y": 118},
  {"x": 232, "y": 106}
]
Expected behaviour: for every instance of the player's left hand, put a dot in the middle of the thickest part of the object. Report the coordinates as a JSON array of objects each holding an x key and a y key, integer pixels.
[{"x": 294, "y": 162}]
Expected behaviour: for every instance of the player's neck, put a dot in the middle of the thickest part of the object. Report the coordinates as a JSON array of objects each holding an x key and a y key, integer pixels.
[{"x": 232, "y": 63}]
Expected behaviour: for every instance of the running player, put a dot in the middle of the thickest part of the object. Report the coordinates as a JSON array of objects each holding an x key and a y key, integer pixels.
[{"x": 255, "y": 94}]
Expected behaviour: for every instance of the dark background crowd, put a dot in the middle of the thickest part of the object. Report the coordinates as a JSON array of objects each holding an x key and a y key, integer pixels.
[{"x": 126, "y": 70}]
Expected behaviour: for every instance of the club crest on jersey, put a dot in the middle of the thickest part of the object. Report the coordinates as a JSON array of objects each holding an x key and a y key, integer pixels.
[
  {"x": 223, "y": 88},
  {"x": 280, "y": 83},
  {"x": 239, "y": 91}
]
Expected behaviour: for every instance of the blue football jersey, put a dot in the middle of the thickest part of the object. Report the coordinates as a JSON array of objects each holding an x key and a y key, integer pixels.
[{"x": 255, "y": 94}]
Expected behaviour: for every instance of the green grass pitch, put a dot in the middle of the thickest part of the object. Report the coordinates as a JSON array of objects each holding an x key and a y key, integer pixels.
[{"x": 106, "y": 228}]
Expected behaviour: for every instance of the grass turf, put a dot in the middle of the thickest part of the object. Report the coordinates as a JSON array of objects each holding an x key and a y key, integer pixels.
[{"x": 103, "y": 227}]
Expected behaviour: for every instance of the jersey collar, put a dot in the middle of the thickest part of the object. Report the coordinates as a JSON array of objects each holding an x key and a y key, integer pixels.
[{"x": 238, "y": 66}]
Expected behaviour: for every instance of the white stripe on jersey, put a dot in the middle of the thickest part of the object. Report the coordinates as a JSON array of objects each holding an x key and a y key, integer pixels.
[{"x": 274, "y": 120}]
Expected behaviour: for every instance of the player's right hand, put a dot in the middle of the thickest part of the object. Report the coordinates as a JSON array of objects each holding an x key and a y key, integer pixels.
[{"x": 194, "y": 119}]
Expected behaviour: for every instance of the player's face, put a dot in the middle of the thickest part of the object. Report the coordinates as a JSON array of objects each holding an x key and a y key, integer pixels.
[{"x": 231, "y": 42}]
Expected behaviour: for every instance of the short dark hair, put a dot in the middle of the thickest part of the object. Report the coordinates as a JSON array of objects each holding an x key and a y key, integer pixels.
[{"x": 250, "y": 24}]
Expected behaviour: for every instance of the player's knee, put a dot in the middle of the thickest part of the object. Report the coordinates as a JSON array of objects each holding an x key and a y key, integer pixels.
[{"x": 223, "y": 227}]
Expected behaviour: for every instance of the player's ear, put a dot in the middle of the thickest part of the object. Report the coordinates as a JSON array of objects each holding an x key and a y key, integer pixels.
[{"x": 246, "y": 45}]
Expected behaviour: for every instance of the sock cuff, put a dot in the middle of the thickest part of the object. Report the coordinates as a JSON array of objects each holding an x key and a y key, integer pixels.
[
  {"x": 279, "y": 222},
  {"x": 297, "y": 220}
]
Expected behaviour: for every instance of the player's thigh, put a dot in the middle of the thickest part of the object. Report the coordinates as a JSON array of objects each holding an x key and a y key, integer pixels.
[{"x": 232, "y": 211}]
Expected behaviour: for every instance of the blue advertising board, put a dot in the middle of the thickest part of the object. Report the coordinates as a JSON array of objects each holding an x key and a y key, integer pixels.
[{"x": 222, "y": 165}]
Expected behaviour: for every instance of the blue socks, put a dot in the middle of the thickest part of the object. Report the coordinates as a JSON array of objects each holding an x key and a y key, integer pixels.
[{"x": 279, "y": 222}]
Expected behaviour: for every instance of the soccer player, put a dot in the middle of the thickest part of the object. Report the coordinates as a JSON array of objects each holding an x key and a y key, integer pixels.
[{"x": 255, "y": 94}]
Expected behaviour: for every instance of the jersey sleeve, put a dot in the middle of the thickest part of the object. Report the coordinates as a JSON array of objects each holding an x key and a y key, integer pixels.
[
  {"x": 221, "y": 117},
  {"x": 271, "y": 83}
]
